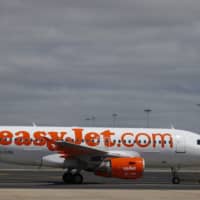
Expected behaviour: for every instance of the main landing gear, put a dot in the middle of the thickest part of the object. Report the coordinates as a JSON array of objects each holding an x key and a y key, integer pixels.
[
  {"x": 175, "y": 177},
  {"x": 70, "y": 178}
]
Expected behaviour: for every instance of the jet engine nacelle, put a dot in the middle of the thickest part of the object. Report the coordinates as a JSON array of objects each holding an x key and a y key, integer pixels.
[{"x": 124, "y": 168}]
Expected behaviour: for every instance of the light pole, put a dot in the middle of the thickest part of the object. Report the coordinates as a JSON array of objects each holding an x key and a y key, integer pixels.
[
  {"x": 114, "y": 115},
  {"x": 147, "y": 111},
  {"x": 87, "y": 119},
  {"x": 93, "y": 120}
]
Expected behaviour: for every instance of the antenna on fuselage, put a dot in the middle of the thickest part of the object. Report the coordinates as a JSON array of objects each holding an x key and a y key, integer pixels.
[
  {"x": 172, "y": 126},
  {"x": 34, "y": 124}
]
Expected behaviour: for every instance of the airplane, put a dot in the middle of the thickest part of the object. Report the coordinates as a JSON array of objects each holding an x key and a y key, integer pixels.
[{"x": 108, "y": 152}]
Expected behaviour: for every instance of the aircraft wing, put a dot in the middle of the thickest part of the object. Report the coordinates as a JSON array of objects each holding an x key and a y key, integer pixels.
[
  {"x": 73, "y": 150},
  {"x": 67, "y": 150}
]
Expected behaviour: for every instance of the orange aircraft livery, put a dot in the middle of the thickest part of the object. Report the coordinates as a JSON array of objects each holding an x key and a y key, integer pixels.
[
  {"x": 91, "y": 139},
  {"x": 108, "y": 152}
]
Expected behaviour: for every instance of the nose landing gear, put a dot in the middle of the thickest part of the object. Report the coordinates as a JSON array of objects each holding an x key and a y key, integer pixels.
[
  {"x": 175, "y": 177},
  {"x": 176, "y": 180}
]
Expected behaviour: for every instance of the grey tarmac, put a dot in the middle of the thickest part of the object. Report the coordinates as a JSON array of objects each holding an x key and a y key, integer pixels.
[
  {"x": 52, "y": 179},
  {"x": 47, "y": 184}
]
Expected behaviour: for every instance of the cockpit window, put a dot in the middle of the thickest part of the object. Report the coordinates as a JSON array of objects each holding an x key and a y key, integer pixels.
[{"x": 198, "y": 142}]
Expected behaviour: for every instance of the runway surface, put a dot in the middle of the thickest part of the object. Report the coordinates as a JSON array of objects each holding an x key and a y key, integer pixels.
[{"x": 52, "y": 179}]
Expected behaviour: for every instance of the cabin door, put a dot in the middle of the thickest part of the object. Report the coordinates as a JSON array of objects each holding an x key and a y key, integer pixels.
[{"x": 180, "y": 144}]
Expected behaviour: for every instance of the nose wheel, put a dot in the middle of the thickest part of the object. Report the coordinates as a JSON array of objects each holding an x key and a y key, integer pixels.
[
  {"x": 176, "y": 180},
  {"x": 70, "y": 178},
  {"x": 175, "y": 177}
]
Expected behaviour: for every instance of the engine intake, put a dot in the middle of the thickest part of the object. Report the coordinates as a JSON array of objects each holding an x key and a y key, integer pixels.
[{"x": 124, "y": 168}]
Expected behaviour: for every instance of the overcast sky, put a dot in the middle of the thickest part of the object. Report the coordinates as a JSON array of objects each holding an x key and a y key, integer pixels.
[{"x": 65, "y": 60}]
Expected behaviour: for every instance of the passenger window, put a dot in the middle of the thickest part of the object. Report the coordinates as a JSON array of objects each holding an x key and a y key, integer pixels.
[
  {"x": 198, "y": 142},
  {"x": 7, "y": 139},
  {"x": 106, "y": 140}
]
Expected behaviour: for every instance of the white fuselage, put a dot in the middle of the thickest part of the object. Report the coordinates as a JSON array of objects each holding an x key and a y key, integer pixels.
[{"x": 159, "y": 147}]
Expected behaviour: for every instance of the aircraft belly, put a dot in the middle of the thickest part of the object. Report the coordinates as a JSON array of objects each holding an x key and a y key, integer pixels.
[
  {"x": 21, "y": 156},
  {"x": 158, "y": 159}
]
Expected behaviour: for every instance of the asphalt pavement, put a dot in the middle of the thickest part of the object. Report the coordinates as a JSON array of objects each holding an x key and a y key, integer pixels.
[{"x": 52, "y": 179}]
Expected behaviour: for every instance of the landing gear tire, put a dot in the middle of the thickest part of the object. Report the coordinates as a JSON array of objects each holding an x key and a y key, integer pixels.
[
  {"x": 175, "y": 176},
  {"x": 176, "y": 180},
  {"x": 70, "y": 178},
  {"x": 77, "y": 179},
  {"x": 67, "y": 178}
]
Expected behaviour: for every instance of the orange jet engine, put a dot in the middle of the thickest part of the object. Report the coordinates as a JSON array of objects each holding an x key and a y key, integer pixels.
[{"x": 124, "y": 168}]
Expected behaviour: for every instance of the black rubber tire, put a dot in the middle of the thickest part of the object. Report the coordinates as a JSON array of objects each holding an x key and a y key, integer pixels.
[
  {"x": 67, "y": 178},
  {"x": 176, "y": 180},
  {"x": 77, "y": 179}
]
